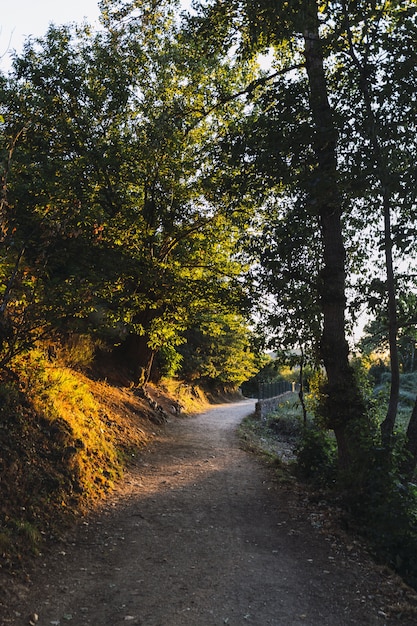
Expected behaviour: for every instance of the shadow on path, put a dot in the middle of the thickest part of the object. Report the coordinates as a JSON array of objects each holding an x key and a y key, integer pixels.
[{"x": 198, "y": 535}]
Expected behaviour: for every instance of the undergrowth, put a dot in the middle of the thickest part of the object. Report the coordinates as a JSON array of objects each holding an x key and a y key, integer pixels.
[
  {"x": 192, "y": 398},
  {"x": 407, "y": 396},
  {"x": 383, "y": 508},
  {"x": 275, "y": 437},
  {"x": 64, "y": 440}
]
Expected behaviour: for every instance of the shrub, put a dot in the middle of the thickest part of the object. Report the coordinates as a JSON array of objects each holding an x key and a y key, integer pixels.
[
  {"x": 78, "y": 351},
  {"x": 386, "y": 514},
  {"x": 317, "y": 457},
  {"x": 168, "y": 361}
]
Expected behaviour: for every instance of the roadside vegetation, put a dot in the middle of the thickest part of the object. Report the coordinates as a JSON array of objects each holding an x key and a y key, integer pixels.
[{"x": 383, "y": 512}]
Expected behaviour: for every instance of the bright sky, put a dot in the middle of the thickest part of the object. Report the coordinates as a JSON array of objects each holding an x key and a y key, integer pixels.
[{"x": 21, "y": 18}]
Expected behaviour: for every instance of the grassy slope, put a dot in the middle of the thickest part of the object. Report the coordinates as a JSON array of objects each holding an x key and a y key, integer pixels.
[{"x": 65, "y": 441}]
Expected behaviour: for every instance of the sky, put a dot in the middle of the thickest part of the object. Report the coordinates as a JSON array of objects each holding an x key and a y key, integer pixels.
[{"x": 21, "y": 18}]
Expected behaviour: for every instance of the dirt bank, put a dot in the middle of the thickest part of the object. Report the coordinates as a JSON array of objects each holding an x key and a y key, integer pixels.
[{"x": 199, "y": 534}]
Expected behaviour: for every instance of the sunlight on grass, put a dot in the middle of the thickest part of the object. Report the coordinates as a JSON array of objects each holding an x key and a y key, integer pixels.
[
  {"x": 191, "y": 398},
  {"x": 82, "y": 425}
]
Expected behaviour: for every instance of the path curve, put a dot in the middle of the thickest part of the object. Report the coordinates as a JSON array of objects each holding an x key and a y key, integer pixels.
[{"x": 198, "y": 535}]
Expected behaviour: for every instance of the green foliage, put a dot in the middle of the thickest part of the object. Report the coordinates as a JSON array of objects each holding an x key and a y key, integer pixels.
[
  {"x": 275, "y": 437},
  {"x": 287, "y": 419},
  {"x": 375, "y": 336},
  {"x": 76, "y": 351},
  {"x": 315, "y": 398},
  {"x": 168, "y": 361},
  {"x": 218, "y": 350},
  {"x": 271, "y": 370},
  {"x": 376, "y": 371},
  {"x": 317, "y": 457},
  {"x": 385, "y": 512},
  {"x": 134, "y": 160},
  {"x": 407, "y": 397},
  {"x": 268, "y": 371},
  {"x": 122, "y": 217},
  {"x": 359, "y": 434}
]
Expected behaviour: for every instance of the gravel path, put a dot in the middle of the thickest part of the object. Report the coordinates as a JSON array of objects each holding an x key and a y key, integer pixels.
[{"x": 199, "y": 535}]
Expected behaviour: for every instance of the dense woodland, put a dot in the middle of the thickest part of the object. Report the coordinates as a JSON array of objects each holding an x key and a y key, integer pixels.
[{"x": 183, "y": 189}]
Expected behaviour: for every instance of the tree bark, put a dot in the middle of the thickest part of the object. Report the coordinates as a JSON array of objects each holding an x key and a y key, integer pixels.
[
  {"x": 387, "y": 426},
  {"x": 410, "y": 447},
  {"x": 301, "y": 389},
  {"x": 134, "y": 353},
  {"x": 383, "y": 176},
  {"x": 343, "y": 399}
]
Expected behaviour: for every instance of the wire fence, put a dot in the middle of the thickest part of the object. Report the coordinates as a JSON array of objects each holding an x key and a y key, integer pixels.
[{"x": 271, "y": 390}]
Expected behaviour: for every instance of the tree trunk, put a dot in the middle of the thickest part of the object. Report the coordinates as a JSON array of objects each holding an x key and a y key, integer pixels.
[
  {"x": 138, "y": 358},
  {"x": 134, "y": 353},
  {"x": 343, "y": 400},
  {"x": 301, "y": 389},
  {"x": 410, "y": 447},
  {"x": 387, "y": 426},
  {"x": 383, "y": 175}
]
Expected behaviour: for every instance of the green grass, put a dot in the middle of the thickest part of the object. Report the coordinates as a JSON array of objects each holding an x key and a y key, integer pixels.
[
  {"x": 267, "y": 438},
  {"x": 407, "y": 397}
]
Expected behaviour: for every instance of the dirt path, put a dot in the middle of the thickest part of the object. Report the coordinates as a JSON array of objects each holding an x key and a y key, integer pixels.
[{"x": 199, "y": 535}]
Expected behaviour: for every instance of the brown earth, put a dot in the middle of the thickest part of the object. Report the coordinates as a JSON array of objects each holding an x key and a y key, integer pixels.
[{"x": 201, "y": 534}]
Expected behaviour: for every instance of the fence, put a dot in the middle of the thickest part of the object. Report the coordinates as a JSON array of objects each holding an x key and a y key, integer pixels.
[{"x": 271, "y": 390}]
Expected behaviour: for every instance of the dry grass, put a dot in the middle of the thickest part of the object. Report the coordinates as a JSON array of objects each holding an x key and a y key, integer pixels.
[
  {"x": 66, "y": 439},
  {"x": 191, "y": 398},
  {"x": 64, "y": 442}
]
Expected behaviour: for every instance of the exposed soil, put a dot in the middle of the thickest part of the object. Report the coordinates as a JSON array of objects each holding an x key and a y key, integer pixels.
[{"x": 201, "y": 534}]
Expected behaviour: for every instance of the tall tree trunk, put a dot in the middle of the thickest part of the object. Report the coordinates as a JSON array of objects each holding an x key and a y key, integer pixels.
[
  {"x": 383, "y": 175},
  {"x": 301, "y": 389},
  {"x": 343, "y": 397},
  {"x": 134, "y": 353},
  {"x": 410, "y": 447}
]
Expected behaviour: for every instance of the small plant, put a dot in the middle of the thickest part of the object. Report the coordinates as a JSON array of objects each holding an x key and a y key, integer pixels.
[
  {"x": 30, "y": 535},
  {"x": 386, "y": 514},
  {"x": 275, "y": 437},
  {"x": 287, "y": 419},
  {"x": 317, "y": 457},
  {"x": 78, "y": 351}
]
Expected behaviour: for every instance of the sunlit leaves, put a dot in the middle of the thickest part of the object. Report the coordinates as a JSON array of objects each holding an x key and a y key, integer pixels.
[
  {"x": 118, "y": 193},
  {"x": 218, "y": 349}
]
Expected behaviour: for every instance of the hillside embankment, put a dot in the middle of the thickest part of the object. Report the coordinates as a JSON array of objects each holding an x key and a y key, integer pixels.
[{"x": 66, "y": 441}]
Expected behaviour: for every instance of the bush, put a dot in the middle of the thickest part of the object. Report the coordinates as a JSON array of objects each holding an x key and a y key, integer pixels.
[
  {"x": 386, "y": 514},
  {"x": 317, "y": 457},
  {"x": 78, "y": 351},
  {"x": 377, "y": 371},
  {"x": 168, "y": 361}
]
